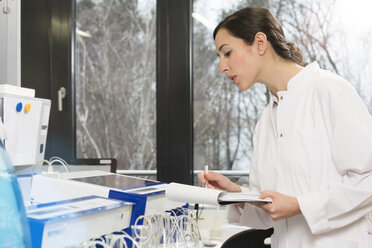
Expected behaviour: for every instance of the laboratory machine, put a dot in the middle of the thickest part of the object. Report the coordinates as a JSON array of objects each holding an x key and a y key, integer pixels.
[
  {"x": 25, "y": 121},
  {"x": 148, "y": 195}
]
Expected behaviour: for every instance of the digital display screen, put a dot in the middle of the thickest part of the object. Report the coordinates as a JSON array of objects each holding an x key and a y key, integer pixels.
[{"x": 115, "y": 181}]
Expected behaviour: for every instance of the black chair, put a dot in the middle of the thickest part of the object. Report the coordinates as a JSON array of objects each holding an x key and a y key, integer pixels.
[{"x": 251, "y": 238}]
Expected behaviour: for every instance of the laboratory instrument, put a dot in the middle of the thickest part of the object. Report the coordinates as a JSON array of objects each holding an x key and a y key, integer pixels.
[
  {"x": 25, "y": 121},
  {"x": 148, "y": 195}
]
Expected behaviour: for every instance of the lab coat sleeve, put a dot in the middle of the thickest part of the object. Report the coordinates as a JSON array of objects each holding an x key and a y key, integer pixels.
[
  {"x": 349, "y": 128},
  {"x": 251, "y": 215}
]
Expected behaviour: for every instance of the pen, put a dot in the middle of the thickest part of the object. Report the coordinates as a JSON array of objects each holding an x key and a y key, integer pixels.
[{"x": 206, "y": 172}]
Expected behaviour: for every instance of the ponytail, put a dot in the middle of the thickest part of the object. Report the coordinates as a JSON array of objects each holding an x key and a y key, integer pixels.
[{"x": 295, "y": 54}]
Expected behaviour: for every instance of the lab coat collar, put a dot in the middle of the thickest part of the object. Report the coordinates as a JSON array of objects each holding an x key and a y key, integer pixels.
[
  {"x": 309, "y": 69},
  {"x": 294, "y": 81}
]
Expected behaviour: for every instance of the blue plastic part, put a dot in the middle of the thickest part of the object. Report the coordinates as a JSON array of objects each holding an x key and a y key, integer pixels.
[
  {"x": 137, "y": 210},
  {"x": 36, "y": 227},
  {"x": 139, "y": 200}
]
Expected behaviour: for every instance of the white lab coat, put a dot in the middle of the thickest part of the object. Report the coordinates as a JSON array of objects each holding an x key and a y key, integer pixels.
[{"x": 316, "y": 145}]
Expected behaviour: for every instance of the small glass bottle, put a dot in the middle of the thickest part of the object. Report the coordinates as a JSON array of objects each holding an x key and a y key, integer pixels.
[{"x": 14, "y": 227}]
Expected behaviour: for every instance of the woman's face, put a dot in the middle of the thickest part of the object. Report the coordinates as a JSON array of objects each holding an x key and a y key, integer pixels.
[{"x": 238, "y": 60}]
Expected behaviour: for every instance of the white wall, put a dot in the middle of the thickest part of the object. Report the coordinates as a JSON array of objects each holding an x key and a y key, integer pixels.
[{"x": 10, "y": 42}]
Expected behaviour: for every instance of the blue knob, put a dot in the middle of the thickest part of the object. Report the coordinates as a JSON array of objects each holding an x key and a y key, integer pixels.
[{"x": 19, "y": 107}]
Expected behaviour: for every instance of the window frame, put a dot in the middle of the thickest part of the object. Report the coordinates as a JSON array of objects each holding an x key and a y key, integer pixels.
[{"x": 173, "y": 78}]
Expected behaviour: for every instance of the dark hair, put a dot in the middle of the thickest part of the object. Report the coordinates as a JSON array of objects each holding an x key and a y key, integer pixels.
[{"x": 247, "y": 22}]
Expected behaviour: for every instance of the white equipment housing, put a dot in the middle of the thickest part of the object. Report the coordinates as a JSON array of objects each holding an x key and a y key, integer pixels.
[
  {"x": 72, "y": 222},
  {"x": 26, "y": 125}
]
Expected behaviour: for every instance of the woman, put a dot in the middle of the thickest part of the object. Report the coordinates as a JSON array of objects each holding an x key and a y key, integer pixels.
[{"x": 312, "y": 145}]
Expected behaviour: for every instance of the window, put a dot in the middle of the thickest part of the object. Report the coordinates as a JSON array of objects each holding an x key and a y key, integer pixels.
[
  {"x": 115, "y": 76},
  {"x": 115, "y": 81},
  {"x": 224, "y": 117},
  {"x": 334, "y": 33}
]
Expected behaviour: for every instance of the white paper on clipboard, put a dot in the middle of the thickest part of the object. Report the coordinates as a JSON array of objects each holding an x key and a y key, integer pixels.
[{"x": 193, "y": 194}]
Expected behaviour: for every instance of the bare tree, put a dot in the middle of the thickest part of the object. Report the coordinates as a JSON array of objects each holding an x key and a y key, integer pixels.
[{"x": 116, "y": 83}]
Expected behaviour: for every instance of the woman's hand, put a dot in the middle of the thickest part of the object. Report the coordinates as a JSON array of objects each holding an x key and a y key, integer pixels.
[
  {"x": 217, "y": 181},
  {"x": 282, "y": 206}
]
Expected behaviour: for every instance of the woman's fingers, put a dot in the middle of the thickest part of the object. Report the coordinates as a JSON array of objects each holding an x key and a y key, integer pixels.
[
  {"x": 217, "y": 181},
  {"x": 282, "y": 206},
  {"x": 267, "y": 194},
  {"x": 201, "y": 178}
]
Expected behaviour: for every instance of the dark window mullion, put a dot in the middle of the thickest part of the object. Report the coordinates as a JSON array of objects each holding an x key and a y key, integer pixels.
[{"x": 174, "y": 91}]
